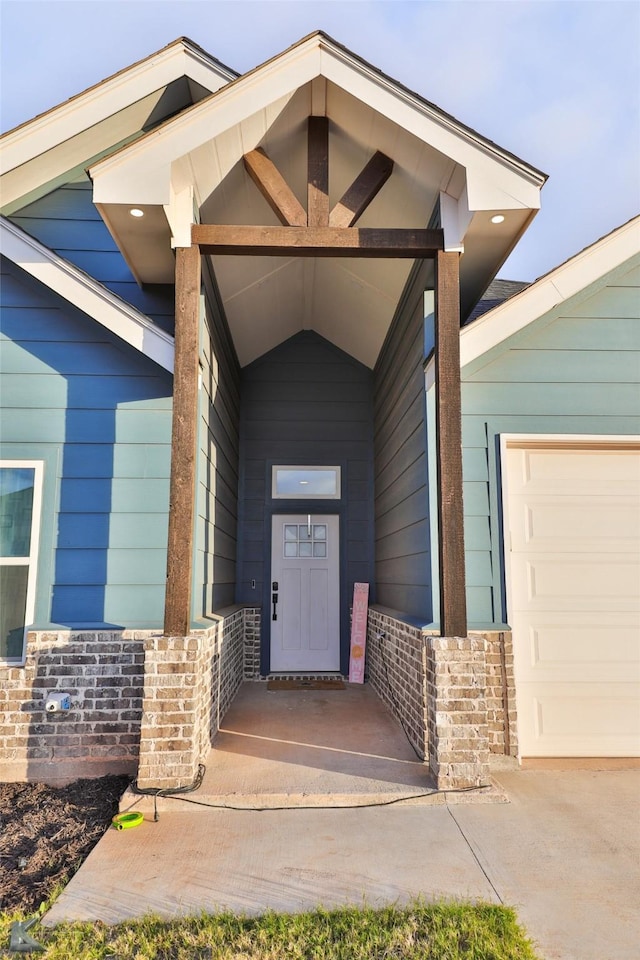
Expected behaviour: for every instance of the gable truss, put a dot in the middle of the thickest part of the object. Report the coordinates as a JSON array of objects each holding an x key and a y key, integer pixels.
[{"x": 286, "y": 205}]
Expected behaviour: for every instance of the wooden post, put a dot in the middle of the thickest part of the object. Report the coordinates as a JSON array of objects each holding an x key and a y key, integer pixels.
[
  {"x": 453, "y": 605},
  {"x": 318, "y": 172},
  {"x": 182, "y": 491}
]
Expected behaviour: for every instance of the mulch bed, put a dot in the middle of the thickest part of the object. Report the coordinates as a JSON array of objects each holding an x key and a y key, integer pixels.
[{"x": 46, "y": 833}]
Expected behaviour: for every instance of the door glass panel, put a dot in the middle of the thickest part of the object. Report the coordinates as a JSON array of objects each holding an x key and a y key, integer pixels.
[{"x": 305, "y": 540}]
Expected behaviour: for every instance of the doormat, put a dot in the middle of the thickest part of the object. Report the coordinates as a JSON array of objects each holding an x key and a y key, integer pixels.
[{"x": 302, "y": 684}]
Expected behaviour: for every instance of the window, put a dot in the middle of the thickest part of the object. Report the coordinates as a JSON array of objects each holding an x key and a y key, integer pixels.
[
  {"x": 305, "y": 540},
  {"x": 20, "y": 499},
  {"x": 305, "y": 483}
]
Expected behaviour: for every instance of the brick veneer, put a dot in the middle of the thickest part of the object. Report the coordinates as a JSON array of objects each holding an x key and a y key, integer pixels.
[
  {"x": 456, "y": 711},
  {"x": 455, "y": 696},
  {"x": 189, "y": 685},
  {"x": 396, "y": 665},
  {"x": 500, "y": 692},
  {"x": 103, "y": 674},
  {"x": 139, "y": 701},
  {"x": 252, "y": 627}
]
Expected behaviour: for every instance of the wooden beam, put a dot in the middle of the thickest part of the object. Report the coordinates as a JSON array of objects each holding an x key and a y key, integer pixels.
[
  {"x": 364, "y": 188},
  {"x": 316, "y": 241},
  {"x": 318, "y": 172},
  {"x": 453, "y": 605},
  {"x": 275, "y": 189},
  {"x": 182, "y": 489}
]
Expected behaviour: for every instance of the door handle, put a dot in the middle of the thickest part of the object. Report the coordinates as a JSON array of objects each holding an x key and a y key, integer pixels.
[{"x": 274, "y": 599}]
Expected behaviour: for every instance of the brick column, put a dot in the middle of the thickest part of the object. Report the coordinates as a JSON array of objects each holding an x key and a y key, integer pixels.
[
  {"x": 169, "y": 745},
  {"x": 189, "y": 683},
  {"x": 456, "y": 711}
]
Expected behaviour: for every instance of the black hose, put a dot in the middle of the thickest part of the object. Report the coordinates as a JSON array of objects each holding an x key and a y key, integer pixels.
[{"x": 156, "y": 792}]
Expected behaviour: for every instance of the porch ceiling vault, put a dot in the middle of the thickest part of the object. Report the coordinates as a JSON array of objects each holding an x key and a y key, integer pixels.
[{"x": 255, "y": 130}]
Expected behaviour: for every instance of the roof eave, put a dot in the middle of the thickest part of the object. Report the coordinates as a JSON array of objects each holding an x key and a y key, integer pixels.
[
  {"x": 550, "y": 291},
  {"x": 48, "y": 129},
  {"x": 86, "y": 294},
  {"x": 324, "y": 43}
]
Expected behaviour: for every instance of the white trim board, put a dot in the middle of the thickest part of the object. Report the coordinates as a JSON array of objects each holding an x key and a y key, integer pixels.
[
  {"x": 498, "y": 178},
  {"x": 58, "y": 144},
  {"x": 31, "y": 562},
  {"x": 549, "y": 291},
  {"x": 85, "y": 293},
  {"x": 180, "y": 58}
]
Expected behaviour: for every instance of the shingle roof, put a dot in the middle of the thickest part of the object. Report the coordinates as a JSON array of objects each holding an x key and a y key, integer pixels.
[{"x": 497, "y": 292}]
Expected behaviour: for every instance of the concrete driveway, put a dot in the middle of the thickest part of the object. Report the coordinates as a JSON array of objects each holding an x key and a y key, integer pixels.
[{"x": 565, "y": 850}]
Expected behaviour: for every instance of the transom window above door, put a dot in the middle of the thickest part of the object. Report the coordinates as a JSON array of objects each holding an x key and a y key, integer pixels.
[{"x": 305, "y": 483}]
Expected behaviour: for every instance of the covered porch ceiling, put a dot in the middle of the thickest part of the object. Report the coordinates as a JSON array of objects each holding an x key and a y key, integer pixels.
[
  {"x": 349, "y": 301},
  {"x": 193, "y": 168}
]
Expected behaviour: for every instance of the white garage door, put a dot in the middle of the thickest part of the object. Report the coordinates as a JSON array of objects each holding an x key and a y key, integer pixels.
[{"x": 574, "y": 588}]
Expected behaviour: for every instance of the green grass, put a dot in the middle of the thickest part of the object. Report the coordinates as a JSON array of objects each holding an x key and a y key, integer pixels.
[{"x": 444, "y": 931}]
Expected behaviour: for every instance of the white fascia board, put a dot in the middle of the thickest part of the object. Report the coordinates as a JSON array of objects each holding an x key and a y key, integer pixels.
[
  {"x": 549, "y": 291},
  {"x": 68, "y": 159},
  {"x": 141, "y": 173},
  {"x": 516, "y": 183},
  {"x": 106, "y": 99},
  {"x": 85, "y": 293},
  {"x": 198, "y": 66},
  {"x": 496, "y": 180}
]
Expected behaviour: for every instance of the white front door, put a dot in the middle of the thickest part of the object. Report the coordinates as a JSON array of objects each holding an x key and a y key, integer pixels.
[{"x": 305, "y": 594}]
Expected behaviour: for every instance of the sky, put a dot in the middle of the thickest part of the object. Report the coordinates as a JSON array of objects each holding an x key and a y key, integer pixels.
[{"x": 557, "y": 82}]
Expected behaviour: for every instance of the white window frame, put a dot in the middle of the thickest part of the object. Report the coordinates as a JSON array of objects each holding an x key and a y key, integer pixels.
[
  {"x": 32, "y": 560},
  {"x": 305, "y": 496}
]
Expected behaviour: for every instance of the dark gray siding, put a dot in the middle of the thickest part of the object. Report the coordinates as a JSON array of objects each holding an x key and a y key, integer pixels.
[
  {"x": 306, "y": 402},
  {"x": 217, "y": 503},
  {"x": 402, "y": 553}
]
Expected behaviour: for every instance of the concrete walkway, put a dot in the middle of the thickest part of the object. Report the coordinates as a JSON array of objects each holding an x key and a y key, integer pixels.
[{"x": 565, "y": 849}]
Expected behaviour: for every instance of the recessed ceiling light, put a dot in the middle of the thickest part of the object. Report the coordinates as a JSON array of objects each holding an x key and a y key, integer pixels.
[
  {"x": 136, "y": 212},
  {"x": 498, "y": 218},
  {"x": 303, "y": 482}
]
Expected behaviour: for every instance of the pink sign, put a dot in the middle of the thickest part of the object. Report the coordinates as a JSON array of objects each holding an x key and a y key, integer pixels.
[{"x": 358, "y": 632}]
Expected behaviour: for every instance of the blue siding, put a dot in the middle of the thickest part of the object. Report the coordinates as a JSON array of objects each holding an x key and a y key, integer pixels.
[
  {"x": 99, "y": 414},
  {"x": 67, "y": 221},
  {"x": 575, "y": 370}
]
